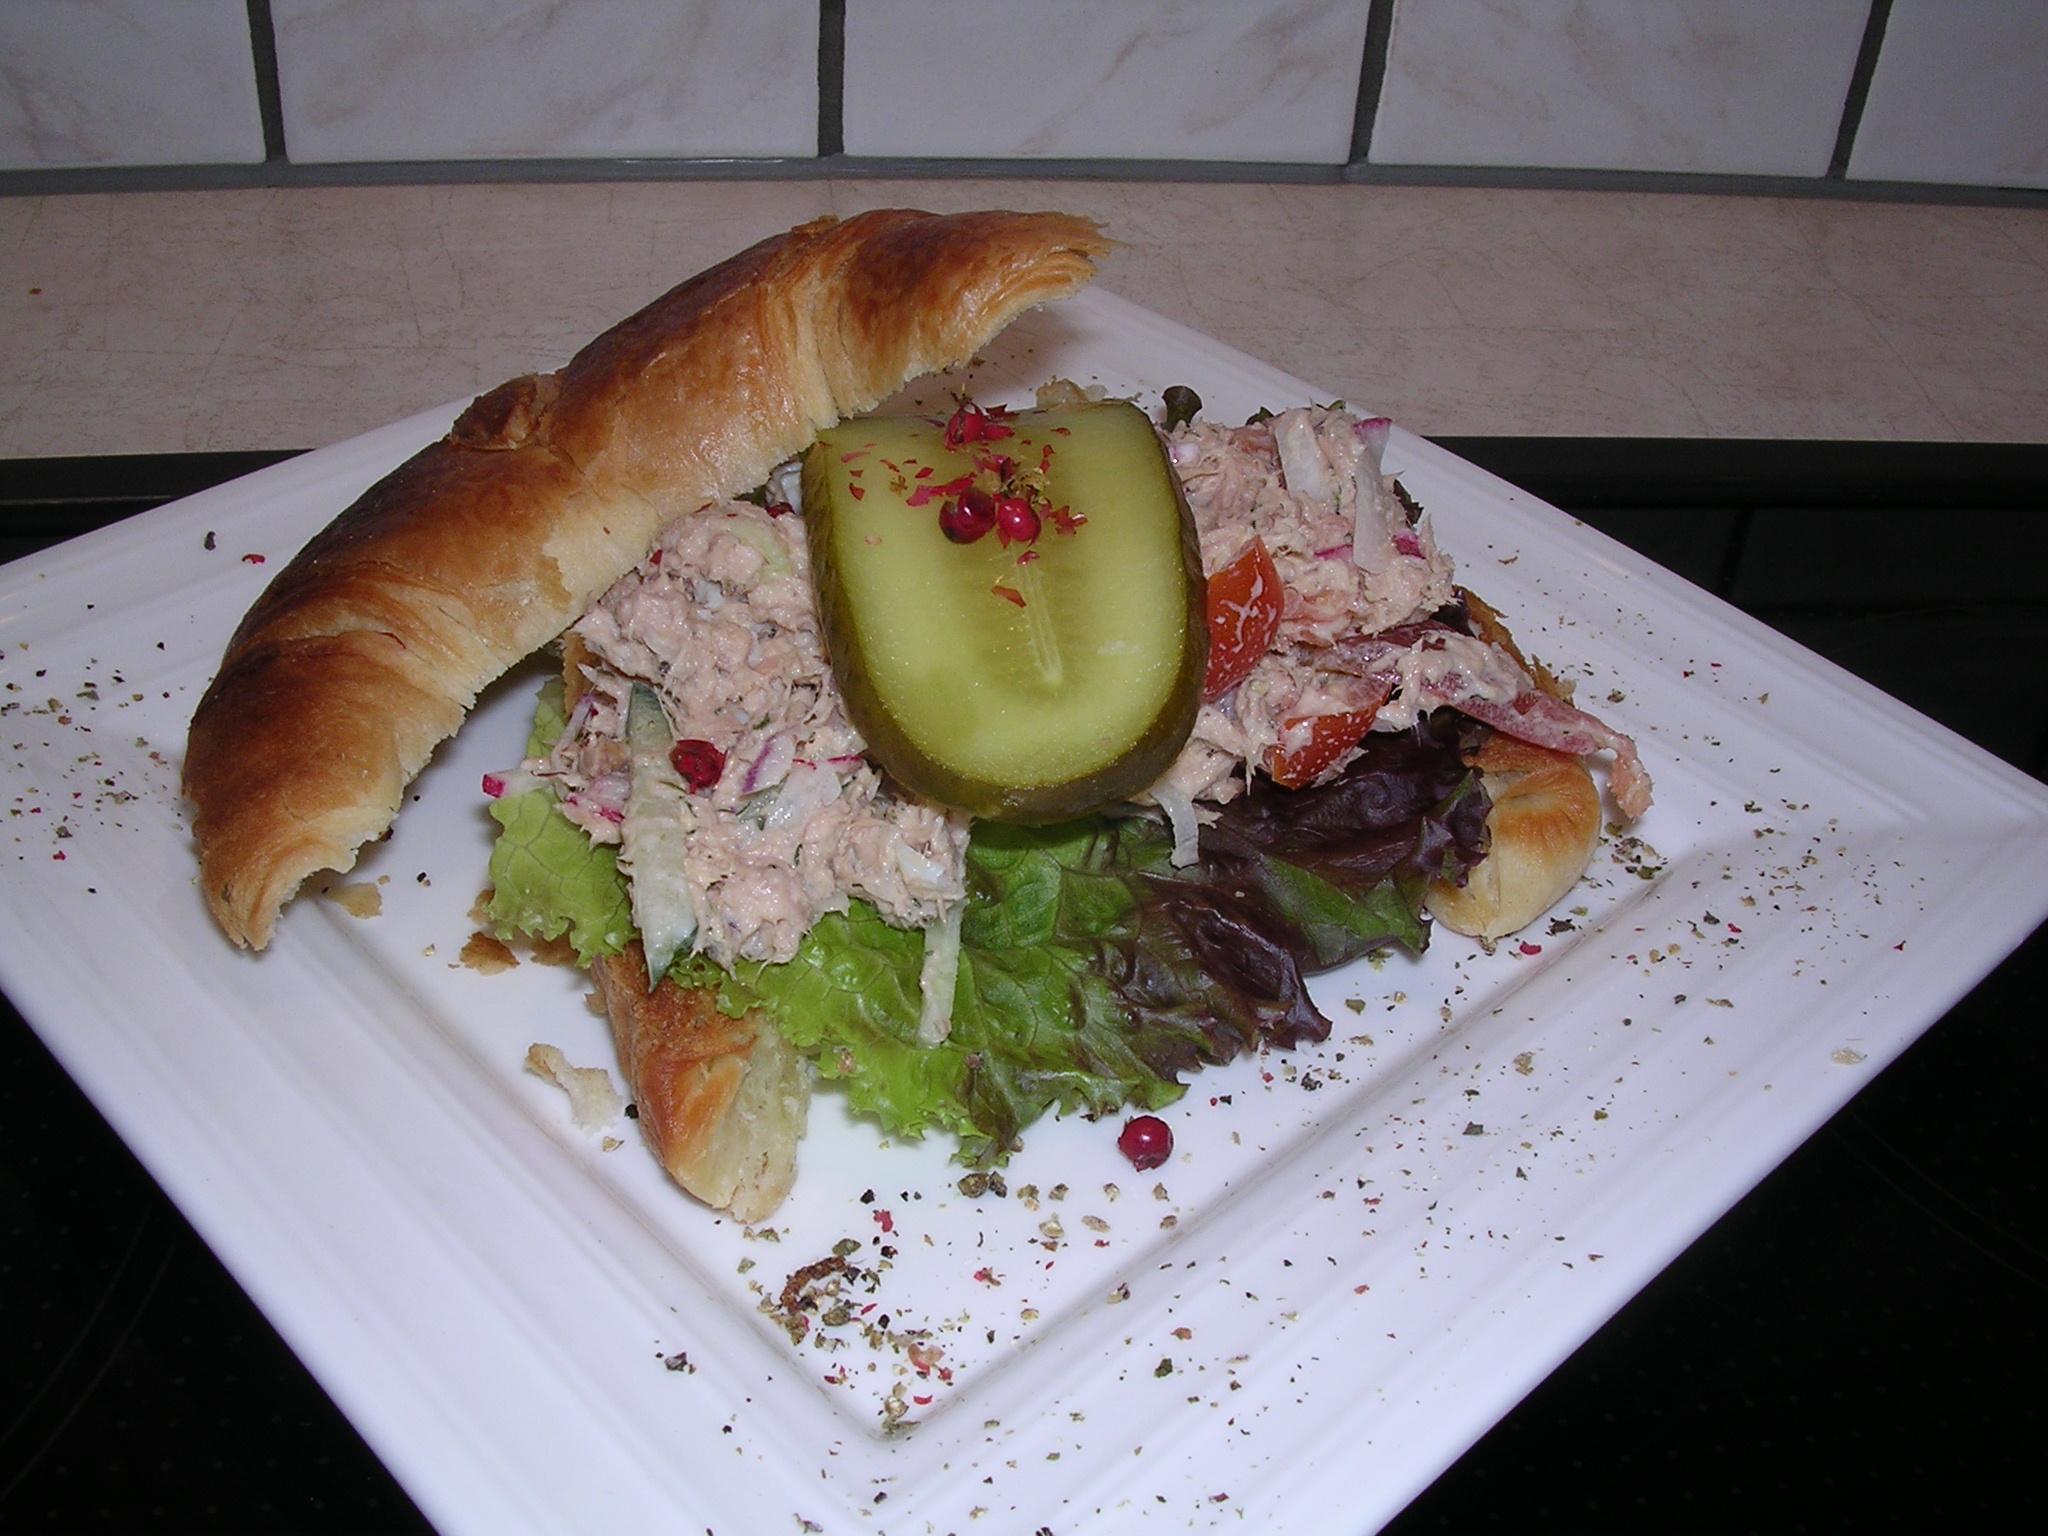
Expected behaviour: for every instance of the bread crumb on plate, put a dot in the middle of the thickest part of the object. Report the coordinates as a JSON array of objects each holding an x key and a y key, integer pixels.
[
  {"x": 593, "y": 1101},
  {"x": 359, "y": 899},
  {"x": 481, "y": 952}
]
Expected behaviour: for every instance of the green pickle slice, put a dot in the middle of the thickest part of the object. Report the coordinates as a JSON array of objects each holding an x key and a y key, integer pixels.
[{"x": 1029, "y": 681}]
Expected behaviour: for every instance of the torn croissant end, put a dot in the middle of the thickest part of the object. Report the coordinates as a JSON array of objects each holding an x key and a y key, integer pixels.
[
  {"x": 369, "y": 648},
  {"x": 722, "y": 1101},
  {"x": 1542, "y": 830}
]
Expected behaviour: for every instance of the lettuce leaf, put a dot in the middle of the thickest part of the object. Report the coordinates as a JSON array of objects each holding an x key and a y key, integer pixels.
[
  {"x": 1093, "y": 974},
  {"x": 547, "y": 878}
]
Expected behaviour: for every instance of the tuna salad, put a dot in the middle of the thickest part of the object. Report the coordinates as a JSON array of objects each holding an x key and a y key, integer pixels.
[
  {"x": 711, "y": 744},
  {"x": 773, "y": 816},
  {"x": 1333, "y": 613}
]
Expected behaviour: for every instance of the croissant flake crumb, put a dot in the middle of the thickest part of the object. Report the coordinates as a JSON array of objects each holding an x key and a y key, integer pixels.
[
  {"x": 489, "y": 956},
  {"x": 593, "y": 1102},
  {"x": 359, "y": 899}
]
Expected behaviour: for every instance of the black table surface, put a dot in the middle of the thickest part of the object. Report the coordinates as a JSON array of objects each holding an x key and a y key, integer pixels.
[{"x": 1857, "y": 1345}]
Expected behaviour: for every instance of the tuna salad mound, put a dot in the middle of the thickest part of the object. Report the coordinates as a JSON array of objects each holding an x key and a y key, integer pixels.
[
  {"x": 1360, "y": 608},
  {"x": 787, "y": 820}
]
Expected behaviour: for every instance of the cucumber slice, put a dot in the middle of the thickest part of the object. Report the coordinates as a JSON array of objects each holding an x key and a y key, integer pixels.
[{"x": 1024, "y": 681}]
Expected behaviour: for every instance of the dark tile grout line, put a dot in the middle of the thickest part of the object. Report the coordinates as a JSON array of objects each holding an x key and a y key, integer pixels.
[
  {"x": 1372, "y": 78},
  {"x": 831, "y": 78},
  {"x": 1859, "y": 87},
  {"x": 289, "y": 174},
  {"x": 1695, "y": 183},
  {"x": 832, "y": 163},
  {"x": 269, "y": 101}
]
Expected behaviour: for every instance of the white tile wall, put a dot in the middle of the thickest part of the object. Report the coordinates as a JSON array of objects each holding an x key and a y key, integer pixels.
[
  {"x": 511, "y": 79},
  {"x": 1733, "y": 86},
  {"x": 1170, "y": 79},
  {"x": 126, "y": 82},
  {"x": 1960, "y": 94}
]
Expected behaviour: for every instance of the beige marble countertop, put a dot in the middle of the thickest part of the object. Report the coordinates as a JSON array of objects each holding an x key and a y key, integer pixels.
[{"x": 185, "y": 321}]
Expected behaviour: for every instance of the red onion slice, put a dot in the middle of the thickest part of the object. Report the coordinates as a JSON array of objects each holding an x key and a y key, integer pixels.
[{"x": 770, "y": 765}]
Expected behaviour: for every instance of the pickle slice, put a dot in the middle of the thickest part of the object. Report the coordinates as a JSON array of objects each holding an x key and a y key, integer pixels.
[{"x": 1029, "y": 680}]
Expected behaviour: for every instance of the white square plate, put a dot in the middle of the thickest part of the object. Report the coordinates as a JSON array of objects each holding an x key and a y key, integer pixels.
[{"x": 1360, "y": 1255}]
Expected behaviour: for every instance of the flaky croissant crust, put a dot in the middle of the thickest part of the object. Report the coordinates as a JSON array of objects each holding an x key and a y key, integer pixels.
[
  {"x": 1543, "y": 827},
  {"x": 369, "y": 648}
]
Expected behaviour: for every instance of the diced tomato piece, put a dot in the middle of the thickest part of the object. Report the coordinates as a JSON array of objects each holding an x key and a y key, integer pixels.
[
  {"x": 1329, "y": 738},
  {"x": 1244, "y": 617}
]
